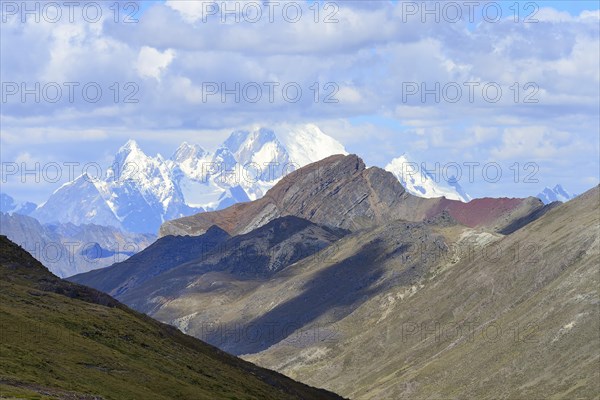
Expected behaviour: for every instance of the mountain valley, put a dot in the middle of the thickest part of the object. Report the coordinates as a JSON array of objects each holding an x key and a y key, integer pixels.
[
  {"x": 340, "y": 278},
  {"x": 65, "y": 341}
]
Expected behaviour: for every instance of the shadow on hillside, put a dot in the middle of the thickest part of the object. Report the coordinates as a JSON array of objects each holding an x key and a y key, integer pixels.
[{"x": 340, "y": 288}]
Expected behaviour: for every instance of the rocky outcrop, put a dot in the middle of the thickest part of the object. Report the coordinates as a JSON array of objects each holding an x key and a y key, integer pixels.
[
  {"x": 174, "y": 264},
  {"x": 340, "y": 191}
]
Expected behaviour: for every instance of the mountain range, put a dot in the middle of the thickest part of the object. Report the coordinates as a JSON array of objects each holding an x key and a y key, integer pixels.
[
  {"x": 340, "y": 278},
  {"x": 139, "y": 192},
  {"x": 8, "y": 205},
  {"x": 69, "y": 249},
  {"x": 422, "y": 183},
  {"x": 341, "y": 191},
  {"x": 557, "y": 193}
]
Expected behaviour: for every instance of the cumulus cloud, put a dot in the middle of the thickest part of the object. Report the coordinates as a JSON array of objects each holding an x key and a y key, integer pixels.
[
  {"x": 190, "y": 11},
  {"x": 152, "y": 63},
  {"x": 537, "y": 142},
  {"x": 170, "y": 61}
]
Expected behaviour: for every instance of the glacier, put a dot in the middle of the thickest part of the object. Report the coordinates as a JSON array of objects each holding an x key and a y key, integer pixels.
[
  {"x": 139, "y": 192},
  {"x": 420, "y": 182}
]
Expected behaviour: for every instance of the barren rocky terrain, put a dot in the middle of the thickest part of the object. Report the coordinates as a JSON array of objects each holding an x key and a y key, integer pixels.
[{"x": 341, "y": 279}]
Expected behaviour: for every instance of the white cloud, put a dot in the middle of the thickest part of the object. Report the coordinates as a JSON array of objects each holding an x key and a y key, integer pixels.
[
  {"x": 484, "y": 133},
  {"x": 547, "y": 14},
  {"x": 347, "y": 94},
  {"x": 190, "y": 11},
  {"x": 533, "y": 142},
  {"x": 152, "y": 63},
  {"x": 26, "y": 158},
  {"x": 593, "y": 15},
  {"x": 369, "y": 53}
]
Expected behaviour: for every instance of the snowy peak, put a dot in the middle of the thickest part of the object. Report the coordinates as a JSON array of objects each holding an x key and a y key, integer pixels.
[
  {"x": 140, "y": 192},
  {"x": 223, "y": 159},
  {"x": 137, "y": 194},
  {"x": 188, "y": 152},
  {"x": 189, "y": 160},
  {"x": 242, "y": 140},
  {"x": 80, "y": 201},
  {"x": 306, "y": 144},
  {"x": 463, "y": 196},
  {"x": 420, "y": 182},
  {"x": 130, "y": 151},
  {"x": 82, "y": 182},
  {"x": 8, "y": 205},
  {"x": 235, "y": 140},
  {"x": 558, "y": 193},
  {"x": 128, "y": 162},
  {"x": 251, "y": 161},
  {"x": 130, "y": 146},
  {"x": 260, "y": 147}
]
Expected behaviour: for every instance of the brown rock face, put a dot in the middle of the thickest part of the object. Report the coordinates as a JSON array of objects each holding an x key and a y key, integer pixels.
[
  {"x": 494, "y": 213},
  {"x": 341, "y": 192}
]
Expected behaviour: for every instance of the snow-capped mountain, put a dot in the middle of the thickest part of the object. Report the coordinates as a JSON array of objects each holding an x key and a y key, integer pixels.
[
  {"x": 307, "y": 144},
  {"x": 140, "y": 192},
  {"x": 423, "y": 184},
  {"x": 558, "y": 193},
  {"x": 9, "y": 205},
  {"x": 137, "y": 194},
  {"x": 80, "y": 201},
  {"x": 247, "y": 164}
]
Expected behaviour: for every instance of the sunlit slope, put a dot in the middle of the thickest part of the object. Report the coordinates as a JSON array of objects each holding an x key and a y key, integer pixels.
[{"x": 516, "y": 318}]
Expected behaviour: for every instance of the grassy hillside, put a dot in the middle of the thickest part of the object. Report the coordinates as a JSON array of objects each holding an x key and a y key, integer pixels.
[{"x": 62, "y": 340}]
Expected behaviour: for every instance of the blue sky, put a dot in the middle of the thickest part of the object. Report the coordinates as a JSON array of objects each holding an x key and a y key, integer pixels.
[
  {"x": 371, "y": 58},
  {"x": 573, "y": 7}
]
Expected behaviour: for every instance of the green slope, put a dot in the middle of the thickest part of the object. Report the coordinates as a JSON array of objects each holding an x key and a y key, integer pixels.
[{"x": 63, "y": 340}]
